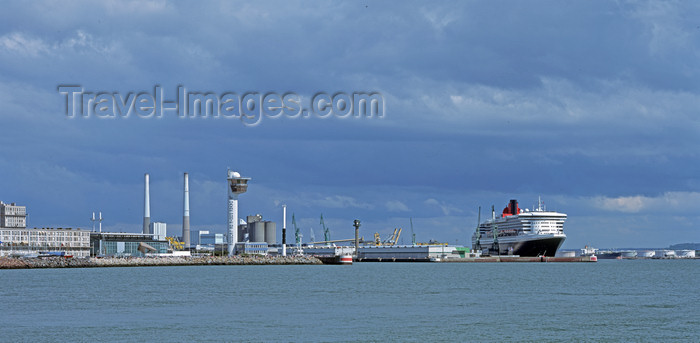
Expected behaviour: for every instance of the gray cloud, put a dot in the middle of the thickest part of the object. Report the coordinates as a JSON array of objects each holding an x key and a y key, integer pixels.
[{"x": 593, "y": 104}]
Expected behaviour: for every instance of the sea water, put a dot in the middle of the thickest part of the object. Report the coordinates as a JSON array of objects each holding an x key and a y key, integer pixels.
[{"x": 612, "y": 300}]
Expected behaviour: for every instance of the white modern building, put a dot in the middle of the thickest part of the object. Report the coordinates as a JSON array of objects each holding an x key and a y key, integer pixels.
[
  {"x": 206, "y": 240},
  {"x": 18, "y": 242},
  {"x": 159, "y": 230},
  {"x": 12, "y": 215}
]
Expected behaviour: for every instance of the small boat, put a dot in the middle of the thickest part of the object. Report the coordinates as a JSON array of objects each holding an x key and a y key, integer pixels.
[{"x": 345, "y": 259}]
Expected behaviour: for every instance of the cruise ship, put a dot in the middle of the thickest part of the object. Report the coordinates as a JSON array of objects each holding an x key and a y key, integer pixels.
[{"x": 521, "y": 232}]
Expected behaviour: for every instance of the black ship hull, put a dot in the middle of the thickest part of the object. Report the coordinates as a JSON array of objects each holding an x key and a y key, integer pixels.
[
  {"x": 610, "y": 255},
  {"x": 530, "y": 248}
]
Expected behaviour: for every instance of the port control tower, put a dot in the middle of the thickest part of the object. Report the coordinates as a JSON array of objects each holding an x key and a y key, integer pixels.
[{"x": 236, "y": 185}]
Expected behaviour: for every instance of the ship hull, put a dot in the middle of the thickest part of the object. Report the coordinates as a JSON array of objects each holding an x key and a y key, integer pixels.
[
  {"x": 609, "y": 255},
  {"x": 532, "y": 247}
]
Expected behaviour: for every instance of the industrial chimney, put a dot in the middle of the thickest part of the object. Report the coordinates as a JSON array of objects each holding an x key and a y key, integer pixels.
[
  {"x": 186, "y": 214},
  {"x": 146, "y": 209},
  {"x": 284, "y": 230}
]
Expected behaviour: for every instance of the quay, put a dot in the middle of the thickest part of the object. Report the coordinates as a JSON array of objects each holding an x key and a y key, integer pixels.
[
  {"x": 520, "y": 259},
  {"x": 92, "y": 262},
  {"x": 482, "y": 259}
]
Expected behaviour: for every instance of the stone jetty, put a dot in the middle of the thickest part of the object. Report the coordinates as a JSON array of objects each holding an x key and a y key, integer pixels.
[{"x": 60, "y": 262}]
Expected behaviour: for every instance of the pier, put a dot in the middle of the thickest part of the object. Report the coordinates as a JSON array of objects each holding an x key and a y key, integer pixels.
[{"x": 60, "y": 262}]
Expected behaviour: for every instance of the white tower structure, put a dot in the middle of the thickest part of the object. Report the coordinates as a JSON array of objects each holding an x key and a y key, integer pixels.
[
  {"x": 146, "y": 208},
  {"x": 186, "y": 213},
  {"x": 100, "y": 221},
  {"x": 284, "y": 230},
  {"x": 236, "y": 185}
]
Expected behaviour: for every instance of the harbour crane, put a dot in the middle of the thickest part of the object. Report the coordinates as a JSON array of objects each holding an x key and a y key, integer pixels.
[
  {"x": 413, "y": 234},
  {"x": 175, "y": 243},
  {"x": 297, "y": 236},
  {"x": 361, "y": 240},
  {"x": 477, "y": 242},
  {"x": 312, "y": 236},
  {"x": 394, "y": 238},
  {"x": 326, "y": 231}
]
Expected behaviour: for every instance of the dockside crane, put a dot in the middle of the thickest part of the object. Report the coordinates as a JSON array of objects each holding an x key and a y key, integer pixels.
[
  {"x": 297, "y": 236},
  {"x": 394, "y": 238},
  {"x": 175, "y": 244},
  {"x": 477, "y": 241},
  {"x": 413, "y": 234},
  {"x": 326, "y": 231}
]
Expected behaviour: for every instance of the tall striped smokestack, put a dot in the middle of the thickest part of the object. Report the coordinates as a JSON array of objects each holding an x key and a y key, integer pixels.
[
  {"x": 146, "y": 208},
  {"x": 186, "y": 214},
  {"x": 284, "y": 230}
]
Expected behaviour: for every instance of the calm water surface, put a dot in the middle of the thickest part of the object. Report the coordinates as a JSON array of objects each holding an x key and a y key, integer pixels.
[{"x": 640, "y": 300}]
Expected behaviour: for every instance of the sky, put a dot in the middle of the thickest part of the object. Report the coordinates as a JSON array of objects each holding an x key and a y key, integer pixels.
[{"x": 592, "y": 106}]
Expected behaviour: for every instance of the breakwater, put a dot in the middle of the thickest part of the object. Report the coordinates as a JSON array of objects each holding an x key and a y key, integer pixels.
[{"x": 59, "y": 262}]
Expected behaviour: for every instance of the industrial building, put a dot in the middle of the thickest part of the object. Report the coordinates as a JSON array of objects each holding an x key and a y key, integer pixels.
[
  {"x": 124, "y": 244},
  {"x": 159, "y": 230},
  {"x": 389, "y": 253},
  {"x": 251, "y": 248},
  {"x": 17, "y": 240},
  {"x": 12, "y": 215},
  {"x": 27, "y": 242},
  {"x": 206, "y": 241},
  {"x": 255, "y": 229},
  {"x": 407, "y": 252}
]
